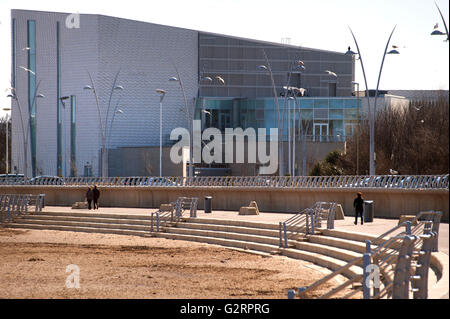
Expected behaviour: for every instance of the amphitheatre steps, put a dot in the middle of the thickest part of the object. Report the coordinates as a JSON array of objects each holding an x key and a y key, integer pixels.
[{"x": 332, "y": 249}]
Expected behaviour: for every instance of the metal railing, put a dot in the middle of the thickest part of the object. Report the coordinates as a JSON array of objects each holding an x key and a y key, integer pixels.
[
  {"x": 167, "y": 218},
  {"x": 307, "y": 222},
  {"x": 382, "y": 181},
  {"x": 16, "y": 205},
  {"x": 400, "y": 263}
]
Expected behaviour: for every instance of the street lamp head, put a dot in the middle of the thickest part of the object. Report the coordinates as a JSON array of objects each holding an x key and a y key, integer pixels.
[
  {"x": 393, "y": 52},
  {"x": 13, "y": 96},
  {"x": 162, "y": 93},
  {"x": 88, "y": 87},
  {"x": 119, "y": 111},
  {"x": 40, "y": 95},
  {"x": 262, "y": 67},
  {"x": 207, "y": 78},
  {"x": 207, "y": 112},
  {"x": 173, "y": 79},
  {"x": 64, "y": 98},
  {"x": 437, "y": 32},
  {"x": 220, "y": 79},
  {"x": 118, "y": 87}
]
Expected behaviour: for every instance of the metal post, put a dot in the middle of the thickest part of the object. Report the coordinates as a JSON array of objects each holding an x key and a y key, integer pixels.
[
  {"x": 280, "y": 235},
  {"x": 157, "y": 222},
  {"x": 368, "y": 247},
  {"x": 160, "y": 138},
  {"x": 312, "y": 221},
  {"x": 408, "y": 228},
  {"x": 365, "y": 284},
  {"x": 285, "y": 235},
  {"x": 291, "y": 294}
]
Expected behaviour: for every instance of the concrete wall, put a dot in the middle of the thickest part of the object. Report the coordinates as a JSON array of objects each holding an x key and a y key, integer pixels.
[{"x": 387, "y": 203}]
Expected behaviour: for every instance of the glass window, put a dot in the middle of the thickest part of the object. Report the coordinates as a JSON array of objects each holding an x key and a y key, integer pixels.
[
  {"x": 321, "y": 104},
  {"x": 336, "y": 114},
  {"x": 336, "y": 104},
  {"x": 306, "y": 104}
]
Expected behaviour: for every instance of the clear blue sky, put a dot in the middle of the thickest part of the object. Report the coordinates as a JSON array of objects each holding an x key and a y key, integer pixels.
[{"x": 323, "y": 24}]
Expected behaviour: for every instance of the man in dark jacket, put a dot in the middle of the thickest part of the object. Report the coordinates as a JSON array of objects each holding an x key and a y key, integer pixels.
[
  {"x": 89, "y": 196},
  {"x": 96, "y": 196},
  {"x": 358, "y": 203}
]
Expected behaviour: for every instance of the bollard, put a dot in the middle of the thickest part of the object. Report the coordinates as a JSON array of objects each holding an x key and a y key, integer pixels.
[
  {"x": 291, "y": 294},
  {"x": 368, "y": 247},
  {"x": 280, "y": 231},
  {"x": 408, "y": 228},
  {"x": 365, "y": 284}
]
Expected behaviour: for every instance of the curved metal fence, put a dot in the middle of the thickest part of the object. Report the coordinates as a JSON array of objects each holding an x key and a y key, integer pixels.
[{"x": 382, "y": 181}]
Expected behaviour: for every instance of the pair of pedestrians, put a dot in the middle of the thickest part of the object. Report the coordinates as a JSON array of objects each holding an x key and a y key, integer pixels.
[{"x": 92, "y": 194}]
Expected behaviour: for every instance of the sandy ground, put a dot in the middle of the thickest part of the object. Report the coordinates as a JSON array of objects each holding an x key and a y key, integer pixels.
[{"x": 33, "y": 264}]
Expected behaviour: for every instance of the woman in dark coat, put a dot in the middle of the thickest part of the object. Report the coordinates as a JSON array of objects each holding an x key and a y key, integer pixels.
[
  {"x": 89, "y": 196},
  {"x": 358, "y": 203},
  {"x": 96, "y": 196}
]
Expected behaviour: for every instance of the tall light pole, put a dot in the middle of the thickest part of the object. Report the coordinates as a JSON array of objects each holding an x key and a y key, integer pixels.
[
  {"x": 372, "y": 113},
  {"x": 62, "y": 99},
  {"x": 103, "y": 128},
  {"x": 437, "y": 32},
  {"x": 358, "y": 126},
  {"x": 7, "y": 109},
  {"x": 161, "y": 93},
  {"x": 25, "y": 132}
]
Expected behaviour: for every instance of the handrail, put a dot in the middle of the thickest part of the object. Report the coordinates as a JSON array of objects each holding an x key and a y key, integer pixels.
[
  {"x": 14, "y": 205},
  {"x": 350, "y": 182}
]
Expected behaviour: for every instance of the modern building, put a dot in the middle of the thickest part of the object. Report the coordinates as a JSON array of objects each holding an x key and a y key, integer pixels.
[{"x": 85, "y": 85}]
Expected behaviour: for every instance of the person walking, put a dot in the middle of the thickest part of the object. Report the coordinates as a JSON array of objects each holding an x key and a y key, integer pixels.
[
  {"x": 89, "y": 196},
  {"x": 358, "y": 203},
  {"x": 96, "y": 196}
]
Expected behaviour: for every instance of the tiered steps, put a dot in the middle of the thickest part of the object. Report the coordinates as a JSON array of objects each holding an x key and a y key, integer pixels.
[{"x": 332, "y": 249}]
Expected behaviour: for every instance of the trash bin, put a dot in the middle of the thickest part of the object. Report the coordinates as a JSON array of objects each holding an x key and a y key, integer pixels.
[
  {"x": 208, "y": 204},
  {"x": 368, "y": 211}
]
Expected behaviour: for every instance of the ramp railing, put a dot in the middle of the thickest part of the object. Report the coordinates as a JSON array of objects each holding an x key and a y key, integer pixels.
[
  {"x": 17, "y": 205},
  {"x": 161, "y": 218},
  {"x": 396, "y": 268},
  {"x": 307, "y": 222}
]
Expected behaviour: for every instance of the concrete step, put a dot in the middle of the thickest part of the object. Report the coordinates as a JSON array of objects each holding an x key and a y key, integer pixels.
[
  {"x": 238, "y": 223},
  {"x": 234, "y": 229},
  {"x": 322, "y": 260},
  {"x": 222, "y": 234},
  {"x": 102, "y": 220},
  {"x": 221, "y": 241},
  {"x": 82, "y": 229},
  {"x": 338, "y": 253},
  {"x": 75, "y": 213},
  {"x": 355, "y": 246},
  {"x": 354, "y": 236},
  {"x": 82, "y": 223}
]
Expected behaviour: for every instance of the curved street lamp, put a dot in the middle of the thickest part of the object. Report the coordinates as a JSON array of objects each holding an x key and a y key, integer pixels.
[
  {"x": 8, "y": 117},
  {"x": 371, "y": 114},
  {"x": 438, "y": 32},
  {"x": 161, "y": 93}
]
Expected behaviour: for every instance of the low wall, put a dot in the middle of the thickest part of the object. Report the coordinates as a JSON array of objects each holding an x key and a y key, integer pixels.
[{"x": 387, "y": 203}]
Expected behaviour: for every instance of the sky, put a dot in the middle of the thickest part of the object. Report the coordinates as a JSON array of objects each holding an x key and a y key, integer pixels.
[{"x": 423, "y": 63}]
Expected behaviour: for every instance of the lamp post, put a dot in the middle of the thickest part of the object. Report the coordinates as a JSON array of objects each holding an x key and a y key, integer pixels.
[
  {"x": 372, "y": 114},
  {"x": 7, "y": 109},
  {"x": 25, "y": 133},
  {"x": 62, "y": 99},
  {"x": 275, "y": 97},
  {"x": 438, "y": 32},
  {"x": 103, "y": 128},
  {"x": 161, "y": 93},
  {"x": 358, "y": 126}
]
